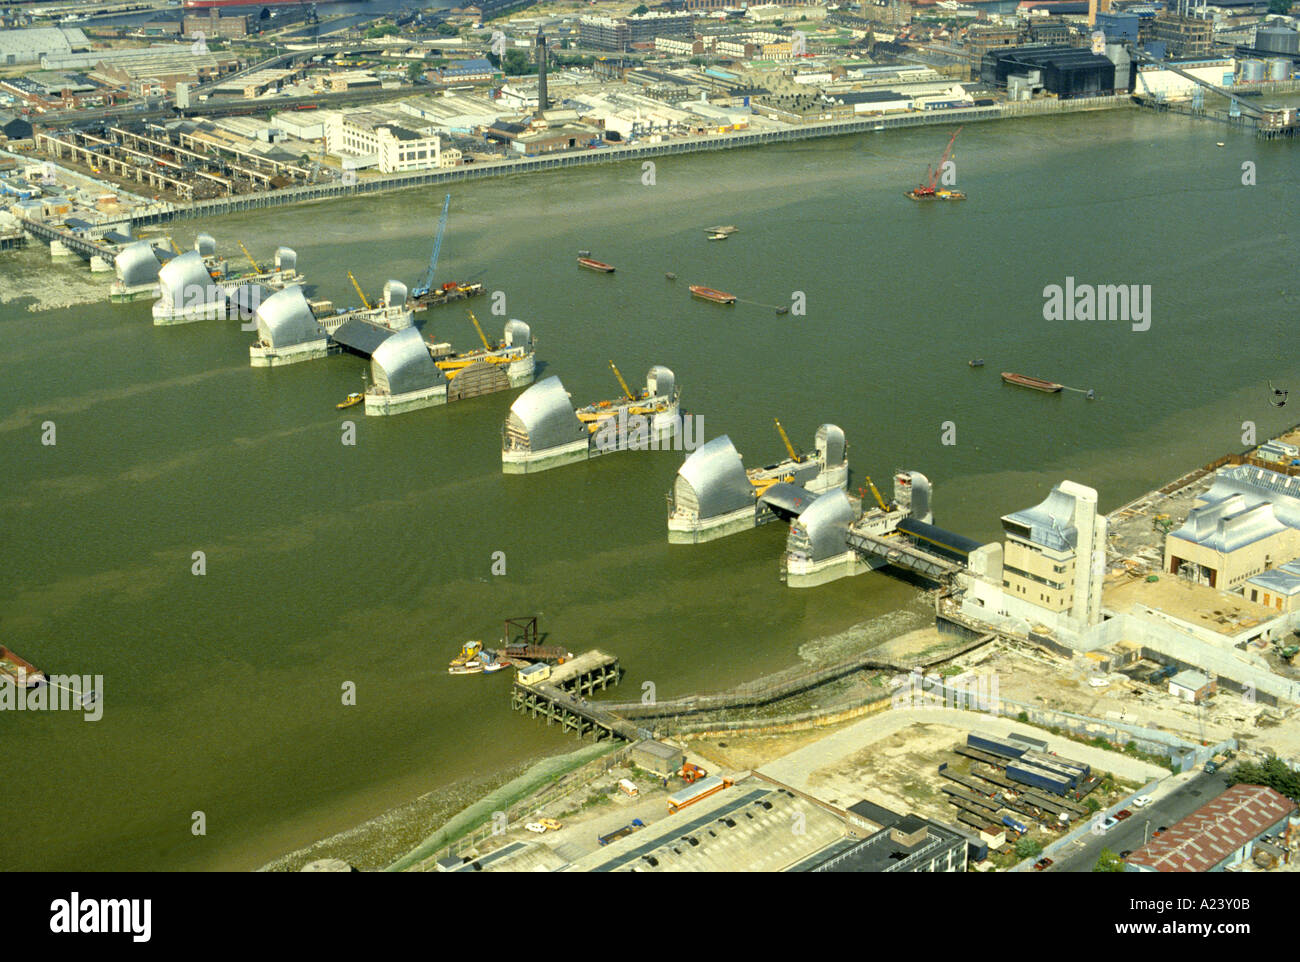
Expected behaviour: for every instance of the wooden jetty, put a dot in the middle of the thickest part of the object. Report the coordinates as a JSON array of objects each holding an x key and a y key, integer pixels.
[{"x": 561, "y": 698}]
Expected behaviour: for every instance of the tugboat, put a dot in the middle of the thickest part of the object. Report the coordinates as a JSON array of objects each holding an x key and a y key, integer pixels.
[
  {"x": 356, "y": 397},
  {"x": 709, "y": 294},
  {"x": 468, "y": 653},
  {"x": 931, "y": 190}
]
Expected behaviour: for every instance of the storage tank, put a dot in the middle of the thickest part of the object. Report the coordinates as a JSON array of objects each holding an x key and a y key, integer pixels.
[
  {"x": 1252, "y": 71},
  {"x": 1279, "y": 68},
  {"x": 1277, "y": 40}
]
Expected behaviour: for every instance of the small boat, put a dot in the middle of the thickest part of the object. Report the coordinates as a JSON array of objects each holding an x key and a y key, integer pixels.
[
  {"x": 978, "y": 362},
  {"x": 724, "y": 230},
  {"x": 1220, "y": 144},
  {"x": 469, "y": 652},
  {"x": 584, "y": 253},
  {"x": 717, "y": 237},
  {"x": 1038, "y": 384},
  {"x": 931, "y": 193},
  {"x": 18, "y": 670},
  {"x": 671, "y": 276},
  {"x": 356, "y": 397},
  {"x": 709, "y": 294},
  {"x": 783, "y": 310},
  {"x": 491, "y": 666},
  {"x": 596, "y": 265},
  {"x": 474, "y": 667}
]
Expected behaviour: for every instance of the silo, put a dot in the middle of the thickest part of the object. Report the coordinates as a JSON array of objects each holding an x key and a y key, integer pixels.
[
  {"x": 1279, "y": 68},
  {"x": 1252, "y": 71},
  {"x": 1277, "y": 40}
]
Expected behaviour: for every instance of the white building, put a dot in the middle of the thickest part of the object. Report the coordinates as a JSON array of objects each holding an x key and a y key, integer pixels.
[
  {"x": 382, "y": 141},
  {"x": 1157, "y": 81}
]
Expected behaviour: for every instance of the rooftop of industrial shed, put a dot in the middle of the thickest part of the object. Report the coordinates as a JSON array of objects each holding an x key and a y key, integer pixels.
[
  {"x": 1214, "y": 831},
  {"x": 759, "y": 838}
]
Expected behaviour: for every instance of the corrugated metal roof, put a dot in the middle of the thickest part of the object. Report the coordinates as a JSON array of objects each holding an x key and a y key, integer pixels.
[
  {"x": 1278, "y": 580},
  {"x": 1215, "y": 831},
  {"x": 1051, "y": 522},
  {"x": 1230, "y": 524}
]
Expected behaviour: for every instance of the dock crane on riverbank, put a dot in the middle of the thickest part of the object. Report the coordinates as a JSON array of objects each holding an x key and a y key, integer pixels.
[{"x": 426, "y": 285}]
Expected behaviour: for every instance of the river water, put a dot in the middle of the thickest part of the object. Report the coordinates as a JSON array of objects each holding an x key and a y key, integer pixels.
[{"x": 372, "y": 563}]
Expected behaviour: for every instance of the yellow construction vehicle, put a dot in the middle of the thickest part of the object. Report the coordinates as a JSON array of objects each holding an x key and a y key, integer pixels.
[
  {"x": 256, "y": 268},
  {"x": 785, "y": 438},
  {"x": 359, "y": 292},
  {"x": 876, "y": 494}
]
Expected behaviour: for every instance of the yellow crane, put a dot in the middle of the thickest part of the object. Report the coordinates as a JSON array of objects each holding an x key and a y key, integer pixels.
[
  {"x": 256, "y": 268},
  {"x": 622, "y": 383},
  {"x": 359, "y": 292},
  {"x": 481, "y": 336},
  {"x": 876, "y": 494},
  {"x": 785, "y": 438}
]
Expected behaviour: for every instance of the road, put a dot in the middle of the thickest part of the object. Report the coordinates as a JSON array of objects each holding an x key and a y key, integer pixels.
[{"x": 1185, "y": 796}]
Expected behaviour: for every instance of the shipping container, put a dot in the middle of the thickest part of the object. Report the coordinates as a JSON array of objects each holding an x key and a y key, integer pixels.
[
  {"x": 989, "y": 744},
  {"x": 1028, "y": 774},
  {"x": 1034, "y": 743},
  {"x": 693, "y": 793}
]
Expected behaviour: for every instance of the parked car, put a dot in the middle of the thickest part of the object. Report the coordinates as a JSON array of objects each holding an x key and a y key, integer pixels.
[
  {"x": 1122, "y": 814},
  {"x": 1142, "y": 801},
  {"x": 549, "y": 824},
  {"x": 1108, "y": 823},
  {"x": 536, "y": 827},
  {"x": 1041, "y": 864},
  {"x": 1126, "y": 853}
]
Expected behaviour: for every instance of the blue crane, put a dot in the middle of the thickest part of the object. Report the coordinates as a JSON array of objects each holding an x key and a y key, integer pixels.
[{"x": 427, "y": 284}]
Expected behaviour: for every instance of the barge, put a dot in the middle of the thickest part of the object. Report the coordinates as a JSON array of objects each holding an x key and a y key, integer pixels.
[
  {"x": 710, "y": 294},
  {"x": 1036, "y": 383},
  {"x": 18, "y": 671}
]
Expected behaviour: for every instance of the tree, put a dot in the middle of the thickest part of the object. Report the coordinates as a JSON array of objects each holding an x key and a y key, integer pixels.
[
  {"x": 637, "y": 11},
  {"x": 1273, "y": 773},
  {"x": 1279, "y": 6},
  {"x": 1108, "y": 861},
  {"x": 1028, "y": 848},
  {"x": 1092, "y": 805},
  {"x": 447, "y": 30},
  {"x": 516, "y": 62},
  {"x": 414, "y": 72}
]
